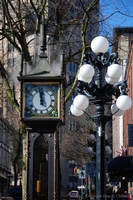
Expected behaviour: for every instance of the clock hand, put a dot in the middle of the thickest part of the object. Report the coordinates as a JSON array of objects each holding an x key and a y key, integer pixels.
[
  {"x": 44, "y": 103},
  {"x": 41, "y": 97}
]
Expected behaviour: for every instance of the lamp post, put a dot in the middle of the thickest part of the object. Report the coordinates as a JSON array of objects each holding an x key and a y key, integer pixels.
[{"x": 101, "y": 91}]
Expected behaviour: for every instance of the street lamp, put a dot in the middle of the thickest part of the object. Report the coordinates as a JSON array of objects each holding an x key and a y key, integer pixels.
[{"x": 101, "y": 90}]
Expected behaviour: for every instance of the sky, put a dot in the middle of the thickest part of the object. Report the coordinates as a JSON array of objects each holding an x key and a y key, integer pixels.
[{"x": 120, "y": 12}]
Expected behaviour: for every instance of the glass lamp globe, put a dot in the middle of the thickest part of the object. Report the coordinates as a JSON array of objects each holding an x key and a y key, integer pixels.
[
  {"x": 91, "y": 138},
  {"x": 114, "y": 71},
  {"x": 99, "y": 45},
  {"x": 124, "y": 102},
  {"x": 75, "y": 111},
  {"x": 110, "y": 151},
  {"x": 106, "y": 137},
  {"x": 93, "y": 187},
  {"x": 87, "y": 71},
  {"x": 107, "y": 149},
  {"x": 116, "y": 110},
  {"x": 90, "y": 151},
  {"x": 83, "y": 79},
  {"x": 111, "y": 80},
  {"x": 81, "y": 102}
]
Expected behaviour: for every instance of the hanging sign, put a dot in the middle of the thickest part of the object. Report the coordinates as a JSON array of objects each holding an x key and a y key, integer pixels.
[{"x": 81, "y": 174}]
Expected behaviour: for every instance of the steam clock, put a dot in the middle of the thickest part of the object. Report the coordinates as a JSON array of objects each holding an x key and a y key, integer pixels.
[{"x": 42, "y": 112}]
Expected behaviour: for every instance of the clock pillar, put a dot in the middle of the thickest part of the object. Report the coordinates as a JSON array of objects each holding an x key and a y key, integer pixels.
[
  {"x": 55, "y": 166},
  {"x": 27, "y": 166},
  {"x": 42, "y": 112}
]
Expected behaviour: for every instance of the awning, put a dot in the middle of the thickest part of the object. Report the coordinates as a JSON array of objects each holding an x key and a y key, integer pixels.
[{"x": 121, "y": 166}]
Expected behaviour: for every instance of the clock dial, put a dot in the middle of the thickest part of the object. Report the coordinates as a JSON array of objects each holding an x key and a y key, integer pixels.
[{"x": 40, "y": 100}]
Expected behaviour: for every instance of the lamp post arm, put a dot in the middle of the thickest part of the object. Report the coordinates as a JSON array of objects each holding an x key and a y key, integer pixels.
[
  {"x": 88, "y": 115},
  {"x": 112, "y": 58},
  {"x": 87, "y": 59},
  {"x": 96, "y": 62},
  {"x": 92, "y": 90},
  {"x": 87, "y": 94},
  {"x": 123, "y": 86},
  {"x": 116, "y": 90},
  {"x": 108, "y": 89},
  {"x": 87, "y": 89},
  {"x": 103, "y": 60}
]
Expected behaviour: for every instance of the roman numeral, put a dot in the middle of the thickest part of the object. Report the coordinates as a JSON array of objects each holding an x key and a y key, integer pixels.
[
  {"x": 49, "y": 108},
  {"x": 52, "y": 103},
  {"x": 44, "y": 111},
  {"x": 38, "y": 111}
]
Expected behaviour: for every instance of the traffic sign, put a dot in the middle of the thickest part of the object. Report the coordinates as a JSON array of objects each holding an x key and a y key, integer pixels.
[{"x": 81, "y": 174}]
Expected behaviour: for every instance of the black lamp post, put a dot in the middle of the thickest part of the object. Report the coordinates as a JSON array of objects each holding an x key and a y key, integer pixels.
[{"x": 101, "y": 94}]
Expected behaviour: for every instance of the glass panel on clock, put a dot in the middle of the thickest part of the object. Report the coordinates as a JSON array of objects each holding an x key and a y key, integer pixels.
[
  {"x": 40, "y": 173},
  {"x": 40, "y": 100}
]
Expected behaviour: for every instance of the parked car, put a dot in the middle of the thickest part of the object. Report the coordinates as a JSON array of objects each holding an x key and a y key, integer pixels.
[
  {"x": 15, "y": 193},
  {"x": 74, "y": 194}
]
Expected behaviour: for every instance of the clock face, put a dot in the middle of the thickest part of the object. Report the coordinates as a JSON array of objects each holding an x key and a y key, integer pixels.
[{"x": 40, "y": 100}]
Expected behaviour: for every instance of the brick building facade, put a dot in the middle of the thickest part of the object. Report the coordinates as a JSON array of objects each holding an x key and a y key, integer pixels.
[
  {"x": 122, "y": 37},
  {"x": 128, "y": 116}
]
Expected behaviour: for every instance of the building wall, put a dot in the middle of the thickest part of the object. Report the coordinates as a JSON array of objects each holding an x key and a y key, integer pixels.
[
  {"x": 122, "y": 38},
  {"x": 9, "y": 120},
  {"x": 6, "y": 133},
  {"x": 128, "y": 116}
]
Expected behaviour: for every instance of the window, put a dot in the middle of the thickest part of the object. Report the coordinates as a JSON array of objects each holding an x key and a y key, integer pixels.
[
  {"x": 72, "y": 96},
  {"x": 9, "y": 63},
  {"x": 69, "y": 110},
  {"x": 69, "y": 66},
  {"x": 73, "y": 67},
  {"x": 9, "y": 47},
  {"x": 69, "y": 80},
  {"x": 14, "y": 62},
  {"x": 15, "y": 94},
  {"x": 124, "y": 67}
]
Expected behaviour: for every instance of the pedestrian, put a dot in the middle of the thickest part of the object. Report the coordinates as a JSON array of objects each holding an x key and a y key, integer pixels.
[
  {"x": 113, "y": 195},
  {"x": 125, "y": 195}
]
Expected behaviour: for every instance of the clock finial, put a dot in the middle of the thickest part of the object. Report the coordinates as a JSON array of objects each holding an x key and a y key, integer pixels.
[
  {"x": 62, "y": 68},
  {"x": 43, "y": 37}
]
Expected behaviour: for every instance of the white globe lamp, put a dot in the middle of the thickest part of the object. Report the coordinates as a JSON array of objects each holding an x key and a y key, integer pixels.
[
  {"x": 111, "y": 80},
  {"x": 106, "y": 137},
  {"x": 91, "y": 138},
  {"x": 114, "y": 71},
  {"x": 116, "y": 111},
  {"x": 87, "y": 71},
  {"x": 75, "y": 111},
  {"x": 99, "y": 45},
  {"x": 81, "y": 102},
  {"x": 80, "y": 78},
  {"x": 90, "y": 151},
  {"x": 93, "y": 187},
  {"x": 124, "y": 102},
  {"x": 107, "y": 150}
]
